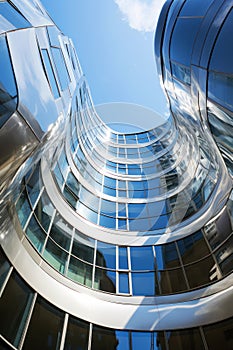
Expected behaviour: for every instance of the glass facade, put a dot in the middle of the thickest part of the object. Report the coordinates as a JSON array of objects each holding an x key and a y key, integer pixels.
[
  {"x": 117, "y": 240},
  {"x": 33, "y": 322}
]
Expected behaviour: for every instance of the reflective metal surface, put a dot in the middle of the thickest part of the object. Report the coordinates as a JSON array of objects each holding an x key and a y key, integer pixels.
[{"x": 125, "y": 239}]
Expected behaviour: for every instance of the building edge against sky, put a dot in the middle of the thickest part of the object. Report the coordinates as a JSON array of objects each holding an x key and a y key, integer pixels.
[{"x": 112, "y": 240}]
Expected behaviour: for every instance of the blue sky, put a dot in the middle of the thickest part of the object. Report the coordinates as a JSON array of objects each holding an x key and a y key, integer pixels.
[{"x": 114, "y": 40}]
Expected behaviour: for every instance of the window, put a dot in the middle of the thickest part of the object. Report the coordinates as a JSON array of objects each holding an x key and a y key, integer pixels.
[
  {"x": 10, "y": 14},
  {"x": 50, "y": 73},
  {"x": 60, "y": 67},
  {"x": 15, "y": 305},
  {"x": 45, "y": 328}
]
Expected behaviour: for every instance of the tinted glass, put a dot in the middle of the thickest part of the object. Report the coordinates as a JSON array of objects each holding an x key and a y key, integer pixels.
[
  {"x": 34, "y": 185},
  {"x": 44, "y": 211},
  {"x": 143, "y": 283},
  {"x": 7, "y": 81},
  {"x": 83, "y": 247},
  {"x": 195, "y": 8},
  {"x": 193, "y": 248},
  {"x": 142, "y": 258},
  {"x": 61, "y": 232},
  {"x": 201, "y": 273},
  {"x": 55, "y": 256},
  {"x": 73, "y": 184},
  {"x": 183, "y": 340},
  {"x": 76, "y": 335},
  {"x": 105, "y": 280},
  {"x": 172, "y": 281},
  {"x": 35, "y": 234},
  {"x": 123, "y": 283},
  {"x": 183, "y": 39},
  {"x": 219, "y": 335},
  {"x": 45, "y": 328},
  {"x": 80, "y": 272},
  {"x": 122, "y": 340},
  {"x": 221, "y": 59},
  {"x": 14, "y": 305},
  {"x": 23, "y": 208},
  {"x": 224, "y": 256},
  {"x": 167, "y": 256},
  {"x": 103, "y": 339},
  {"x": 4, "y": 267},
  {"x": 142, "y": 340},
  {"x": 123, "y": 258},
  {"x": 106, "y": 255}
]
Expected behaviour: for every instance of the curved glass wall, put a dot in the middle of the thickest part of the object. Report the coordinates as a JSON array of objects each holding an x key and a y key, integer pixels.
[
  {"x": 32, "y": 322},
  {"x": 185, "y": 264},
  {"x": 196, "y": 65},
  {"x": 136, "y": 187}
]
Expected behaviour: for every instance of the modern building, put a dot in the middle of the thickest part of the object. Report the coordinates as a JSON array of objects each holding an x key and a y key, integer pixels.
[{"x": 109, "y": 240}]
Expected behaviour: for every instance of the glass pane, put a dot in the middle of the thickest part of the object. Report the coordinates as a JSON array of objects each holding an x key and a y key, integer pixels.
[
  {"x": 58, "y": 176},
  {"x": 4, "y": 346},
  {"x": 77, "y": 335},
  {"x": 83, "y": 247},
  {"x": 123, "y": 283},
  {"x": 55, "y": 256},
  {"x": 220, "y": 88},
  {"x": 60, "y": 67},
  {"x": 219, "y": 335},
  {"x": 106, "y": 255},
  {"x": 142, "y": 340},
  {"x": 14, "y": 305},
  {"x": 216, "y": 232},
  {"x": 7, "y": 82},
  {"x": 73, "y": 184},
  {"x": 13, "y": 16},
  {"x": 183, "y": 39},
  {"x": 103, "y": 339},
  {"x": 61, "y": 232},
  {"x": 142, "y": 258},
  {"x": 44, "y": 211},
  {"x": 105, "y": 280},
  {"x": 182, "y": 73},
  {"x": 193, "y": 248},
  {"x": 143, "y": 283},
  {"x": 108, "y": 208},
  {"x": 195, "y": 8},
  {"x": 87, "y": 213},
  {"x": 53, "y": 36},
  {"x": 34, "y": 185},
  {"x": 80, "y": 272},
  {"x": 201, "y": 273},
  {"x": 4, "y": 267},
  {"x": 45, "y": 328},
  {"x": 186, "y": 339},
  {"x": 35, "y": 234},
  {"x": 172, "y": 281},
  {"x": 224, "y": 256},
  {"x": 167, "y": 256},
  {"x": 122, "y": 340},
  {"x": 123, "y": 258},
  {"x": 70, "y": 197},
  {"x": 107, "y": 221},
  {"x": 23, "y": 208},
  {"x": 50, "y": 73},
  {"x": 221, "y": 57},
  {"x": 137, "y": 210}
]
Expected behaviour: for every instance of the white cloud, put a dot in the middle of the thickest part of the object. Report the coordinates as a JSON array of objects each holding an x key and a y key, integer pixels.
[{"x": 141, "y": 15}]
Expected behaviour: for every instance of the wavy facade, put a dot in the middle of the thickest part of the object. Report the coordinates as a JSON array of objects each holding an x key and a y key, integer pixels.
[{"x": 108, "y": 240}]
